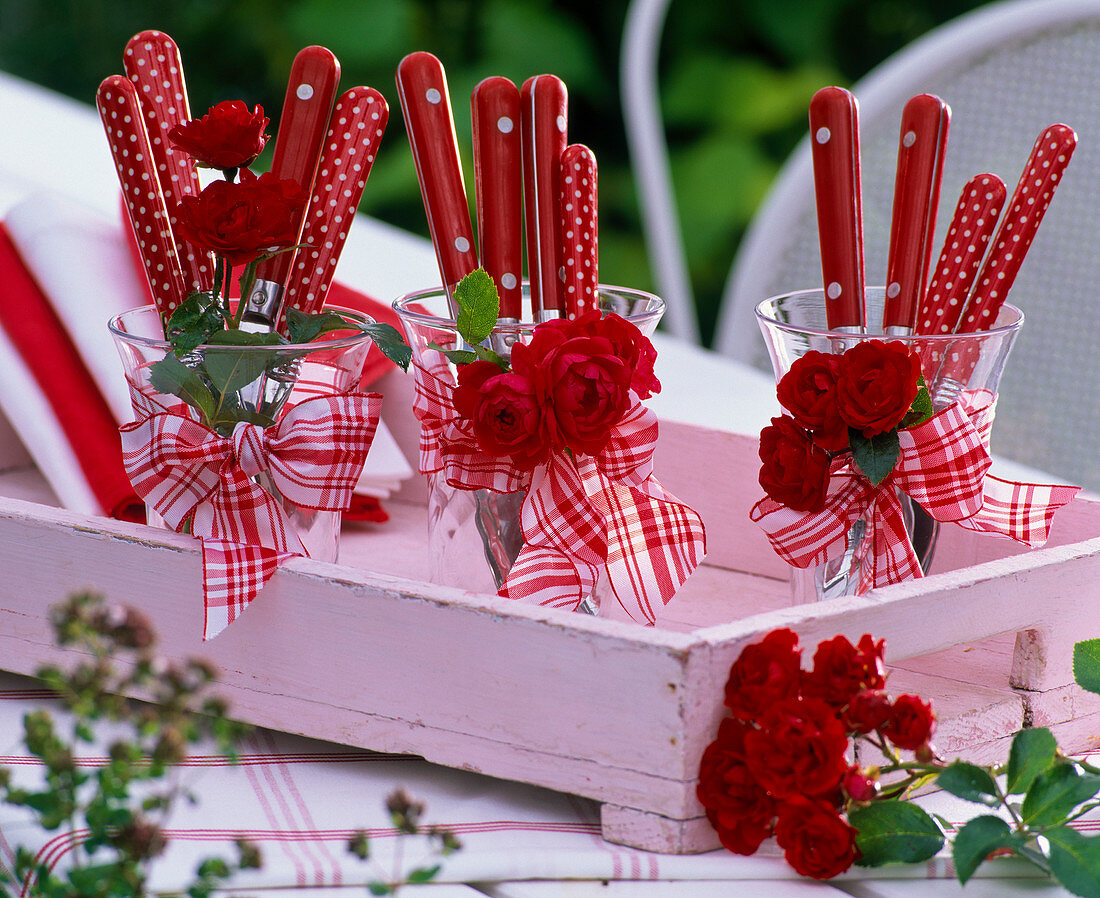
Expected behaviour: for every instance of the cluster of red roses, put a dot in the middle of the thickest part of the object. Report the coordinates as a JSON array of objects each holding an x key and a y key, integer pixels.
[
  {"x": 779, "y": 765},
  {"x": 565, "y": 389},
  {"x": 238, "y": 220},
  {"x": 870, "y": 388}
]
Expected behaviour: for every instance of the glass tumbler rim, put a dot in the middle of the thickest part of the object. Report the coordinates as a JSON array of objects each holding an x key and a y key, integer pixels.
[
  {"x": 997, "y": 330},
  {"x": 115, "y": 325},
  {"x": 402, "y": 305}
]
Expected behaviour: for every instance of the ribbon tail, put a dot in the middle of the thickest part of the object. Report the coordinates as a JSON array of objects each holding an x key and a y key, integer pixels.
[
  {"x": 891, "y": 558},
  {"x": 1023, "y": 512},
  {"x": 233, "y": 575}
]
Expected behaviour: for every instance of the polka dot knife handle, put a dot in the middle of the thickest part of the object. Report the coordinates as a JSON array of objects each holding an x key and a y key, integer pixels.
[
  {"x": 834, "y": 140},
  {"x": 579, "y": 229},
  {"x": 1023, "y": 214},
  {"x": 152, "y": 62},
  {"x": 972, "y": 224},
  {"x": 120, "y": 110},
  {"x": 921, "y": 147},
  {"x": 426, "y": 105},
  {"x": 358, "y": 121},
  {"x": 544, "y": 120},
  {"x": 499, "y": 188}
]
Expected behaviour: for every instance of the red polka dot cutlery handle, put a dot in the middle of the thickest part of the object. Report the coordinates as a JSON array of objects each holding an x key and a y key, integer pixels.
[
  {"x": 120, "y": 110},
  {"x": 924, "y": 125},
  {"x": 1023, "y": 214},
  {"x": 579, "y": 225},
  {"x": 355, "y": 130},
  {"x": 972, "y": 224},
  {"x": 426, "y": 106},
  {"x": 499, "y": 188},
  {"x": 544, "y": 121},
  {"x": 834, "y": 141},
  {"x": 152, "y": 62}
]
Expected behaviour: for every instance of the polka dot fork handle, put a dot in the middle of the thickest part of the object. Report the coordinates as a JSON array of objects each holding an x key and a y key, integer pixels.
[
  {"x": 921, "y": 146},
  {"x": 310, "y": 92},
  {"x": 498, "y": 181},
  {"x": 834, "y": 141},
  {"x": 152, "y": 62},
  {"x": 426, "y": 106},
  {"x": 120, "y": 110},
  {"x": 579, "y": 228},
  {"x": 1048, "y": 160},
  {"x": 351, "y": 144}
]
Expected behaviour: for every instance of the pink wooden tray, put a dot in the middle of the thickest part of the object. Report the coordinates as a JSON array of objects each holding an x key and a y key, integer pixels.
[{"x": 367, "y": 653}]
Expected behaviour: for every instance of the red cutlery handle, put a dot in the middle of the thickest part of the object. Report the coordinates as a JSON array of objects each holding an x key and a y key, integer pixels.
[
  {"x": 152, "y": 61},
  {"x": 544, "y": 102},
  {"x": 972, "y": 224},
  {"x": 834, "y": 138},
  {"x": 358, "y": 122},
  {"x": 120, "y": 110},
  {"x": 310, "y": 92},
  {"x": 499, "y": 188},
  {"x": 580, "y": 233},
  {"x": 924, "y": 125},
  {"x": 1023, "y": 214},
  {"x": 426, "y": 105}
]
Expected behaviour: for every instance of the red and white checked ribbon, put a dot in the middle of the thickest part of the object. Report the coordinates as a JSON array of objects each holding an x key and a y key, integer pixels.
[
  {"x": 580, "y": 512},
  {"x": 942, "y": 466},
  {"x": 186, "y": 472}
]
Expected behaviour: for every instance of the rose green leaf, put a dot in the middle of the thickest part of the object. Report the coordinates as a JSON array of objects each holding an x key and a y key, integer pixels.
[
  {"x": 1075, "y": 860},
  {"x": 194, "y": 321},
  {"x": 969, "y": 782},
  {"x": 171, "y": 377},
  {"x": 1086, "y": 665},
  {"x": 1055, "y": 792},
  {"x": 875, "y": 456},
  {"x": 921, "y": 409},
  {"x": 1033, "y": 751},
  {"x": 976, "y": 840},
  {"x": 478, "y": 306},
  {"x": 304, "y": 328},
  {"x": 894, "y": 832}
]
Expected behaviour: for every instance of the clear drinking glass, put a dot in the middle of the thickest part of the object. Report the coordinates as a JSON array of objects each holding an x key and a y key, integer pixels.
[
  {"x": 474, "y": 536},
  {"x": 795, "y": 323}
]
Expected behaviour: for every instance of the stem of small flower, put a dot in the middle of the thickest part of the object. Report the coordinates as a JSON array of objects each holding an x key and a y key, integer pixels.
[{"x": 247, "y": 279}]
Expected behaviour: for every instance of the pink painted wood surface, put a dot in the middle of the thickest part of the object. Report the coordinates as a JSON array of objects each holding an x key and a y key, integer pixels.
[{"x": 545, "y": 697}]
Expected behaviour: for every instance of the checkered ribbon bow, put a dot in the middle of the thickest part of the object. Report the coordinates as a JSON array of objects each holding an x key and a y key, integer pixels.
[
  {"x": 185, "y": 471},
  {"x": 942, "y": 467},
  {"x": 579, "y": 514}
]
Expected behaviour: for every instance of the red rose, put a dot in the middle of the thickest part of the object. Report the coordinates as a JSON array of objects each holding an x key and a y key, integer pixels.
[
  {"x": 228, "y": 136},
  {"x": 588, "y": 389},
  {"x": 858, "y": 786},
  {"x": 505, "y": 411},
  {"x": 795, "y": 471},
  {"x": 739, "y": 809},
  {"x": 815, "y": 839},
  {"x": 633, "y": 348},
  {"x": 799, "y": 749},
  {"x": 808, "y": 392},
  {"x": 867, "y": 712},
  {"x": 240, "y": 221},
  {"x": 841, "y": 670},
  {"x": 876, "y": 385},
  {"x": 912, "y": 723},
  {"x": 764, "y": 673}
]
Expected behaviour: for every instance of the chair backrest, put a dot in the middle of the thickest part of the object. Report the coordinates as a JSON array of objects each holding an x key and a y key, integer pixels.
[{"x": 1007, "y": 70}]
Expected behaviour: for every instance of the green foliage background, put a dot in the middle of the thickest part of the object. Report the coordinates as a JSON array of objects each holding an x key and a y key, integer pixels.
[{"x": 736, "y": 79}]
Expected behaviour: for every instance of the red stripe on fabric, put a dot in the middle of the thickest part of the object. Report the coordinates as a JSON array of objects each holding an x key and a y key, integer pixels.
[{"x": 81, "y": 411}]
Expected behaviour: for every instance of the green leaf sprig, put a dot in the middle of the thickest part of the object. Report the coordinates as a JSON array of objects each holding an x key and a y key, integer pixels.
[{"x": 478, "y": 310}]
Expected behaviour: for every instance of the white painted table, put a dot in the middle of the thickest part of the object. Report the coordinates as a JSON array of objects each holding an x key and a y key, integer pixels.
[{"x": 54, "y": 143}]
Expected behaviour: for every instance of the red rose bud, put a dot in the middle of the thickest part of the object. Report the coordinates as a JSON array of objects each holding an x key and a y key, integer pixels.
[
  {"x": 912, "y": 723},
  {"x": 858, "y": 786},
  {"x": 794, "y": 471},
  {"x": 764, "y": 673},
  {"x": 505, "y": 411},
  {"x": 841, "y": 669},
  {"x": 241, "y": 221},
  {"x": 808, "y": 392},
  {"x": 876, "y": 385},
  {"x": 227, "y": 137},
  {"x": 815, "y": 839},
  {"x": 867, "y": 712},
  {"x": 799, "y": 749}
]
